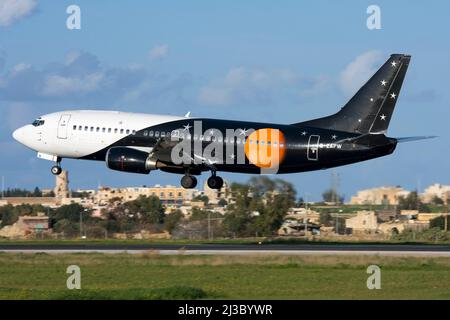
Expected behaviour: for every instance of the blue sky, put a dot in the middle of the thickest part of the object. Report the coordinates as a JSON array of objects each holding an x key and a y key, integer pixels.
[{"x": 269, "y": 61}]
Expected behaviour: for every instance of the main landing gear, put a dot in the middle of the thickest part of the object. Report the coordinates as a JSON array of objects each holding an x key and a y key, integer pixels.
[
  {"x": 215, "y": 182},
  {"x": 56, "y": 169},
  {"x": 188, "y": 181}
]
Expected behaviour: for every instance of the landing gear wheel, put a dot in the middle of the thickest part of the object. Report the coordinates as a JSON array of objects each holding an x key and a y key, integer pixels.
[
  {"x": 56, "y": 170},
  {"x": 188, "y": 182},
  {"x": 215, "y": 182}
]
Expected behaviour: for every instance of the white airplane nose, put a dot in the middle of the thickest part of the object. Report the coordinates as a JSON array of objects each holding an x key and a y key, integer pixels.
[{"x": 19, "y": 135}]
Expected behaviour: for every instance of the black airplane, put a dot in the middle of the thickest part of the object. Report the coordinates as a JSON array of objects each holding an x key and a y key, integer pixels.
[{"x": 188, "y": 146}]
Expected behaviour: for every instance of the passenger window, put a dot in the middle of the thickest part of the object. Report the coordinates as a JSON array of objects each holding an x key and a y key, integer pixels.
[
  {"x": 128, "y": 131},
  {"x": 115, "y": 130},
  {"x": 80, "y": 128},
  {"x": 145, "y": 133},
  {"x": 98, "y": 129},
  {"x": 151, "y": 133},
  {"x": 163, "y": 134},
  {"x": 86, "y": 128},
  {"x": 92, "y": 128},
  {"x": 75, "y": 127},
  {"x": 121, "y": 131},
  {"x": 156, "y": 134},
  {"x": 109, "y": 130},
  {"x": 103, "y": 129}
]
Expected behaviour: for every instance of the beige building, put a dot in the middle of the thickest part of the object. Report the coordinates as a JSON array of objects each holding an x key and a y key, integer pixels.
[
  {"x": 379, "y": 196},
  {"x": 26, "y": 226},
  {"x": 169, "y": 195},
  {"x": 364, "y": 221},
  {"x": 15, "y": 201},
  {"x": 436, "y": 190}
]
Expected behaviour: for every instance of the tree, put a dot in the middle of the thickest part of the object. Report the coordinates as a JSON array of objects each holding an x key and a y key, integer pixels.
[
  {"x": 332, "y": 196},
  {"x": 203, "y": 198},
  {"x": 270, "y": 198},
  {"x": 437, "y": 201},
  {"x": 37, "y": 192},
  {"x": 172, "y": 220},
  {"x": 222, "y": 202},
  {"x": 148, "y": 209},
  {"x": 70, "y": 212}
]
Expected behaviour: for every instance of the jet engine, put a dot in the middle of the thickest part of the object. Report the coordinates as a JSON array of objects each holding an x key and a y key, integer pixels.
[{"x": 130, "y": 160}]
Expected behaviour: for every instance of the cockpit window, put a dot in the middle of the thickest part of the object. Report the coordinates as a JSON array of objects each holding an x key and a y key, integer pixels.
[{"x": 38, "y": 122}]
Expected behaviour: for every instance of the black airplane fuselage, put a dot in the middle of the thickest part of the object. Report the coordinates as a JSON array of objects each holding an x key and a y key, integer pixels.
[{"x": 306, "y": 148}]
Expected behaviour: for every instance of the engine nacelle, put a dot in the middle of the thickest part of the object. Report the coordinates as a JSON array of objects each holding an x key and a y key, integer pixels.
[{"x": 130, "y": 160}]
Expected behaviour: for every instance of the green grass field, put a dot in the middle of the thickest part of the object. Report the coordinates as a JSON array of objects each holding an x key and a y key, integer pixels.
[{"x": 154, "y": 276}]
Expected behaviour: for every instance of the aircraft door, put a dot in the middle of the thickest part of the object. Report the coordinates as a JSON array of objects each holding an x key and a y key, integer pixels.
[
  {"x": 63, "y": 126},
  {"x": 313, "y": 148}
]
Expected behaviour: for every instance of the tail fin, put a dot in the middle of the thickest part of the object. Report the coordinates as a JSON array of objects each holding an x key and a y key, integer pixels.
[{"x": 370, "y": 110}]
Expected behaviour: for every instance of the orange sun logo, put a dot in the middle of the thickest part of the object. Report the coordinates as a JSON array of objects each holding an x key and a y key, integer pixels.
[{"x": 265, "y": 148}]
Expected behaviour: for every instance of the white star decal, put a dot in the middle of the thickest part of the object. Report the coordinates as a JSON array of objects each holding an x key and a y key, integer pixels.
[
  {"x": 333, "y": 137},
  {"x": 243, "y": 132},
  {"x": 393, "y": 95},
  {"x": 232, "y": 156},
  {"x": 371, "y": 99},
  {"x": 383, "y": 83},
  {"x": 359, "y": 120},
  {"x": 187, "y": 127},
  {"x": 304, "y": 133},
  {"x": 383, "y": 117},
  {"x": 394, "y": 64}
]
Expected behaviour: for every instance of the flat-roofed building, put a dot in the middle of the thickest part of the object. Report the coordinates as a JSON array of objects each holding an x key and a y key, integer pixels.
[
  {"x": 169, "y": 195},
  {"x": 379, "y": 196},
  {"x": 436, "y": 190}
]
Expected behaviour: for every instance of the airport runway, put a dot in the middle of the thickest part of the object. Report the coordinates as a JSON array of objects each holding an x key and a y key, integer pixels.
[{"x": 240, "y": 249}]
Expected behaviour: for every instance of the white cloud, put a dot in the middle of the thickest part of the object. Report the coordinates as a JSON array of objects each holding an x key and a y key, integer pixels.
[
  {"x": 258, "y": 86},
  {"x": 158, "y": 52},
  {"x": 80, "y": 76},
  {"x": 357, "y": 72},
  {"x": 57, "y": 85},
  {"x": 13, "y": 10},
  {"x": 20, "y": 67}
]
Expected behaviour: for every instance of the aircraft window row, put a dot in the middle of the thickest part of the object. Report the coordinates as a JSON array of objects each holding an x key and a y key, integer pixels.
[
  {"x": 103, "y": 129},
  {"x": 38, "y": 122},
  {"x": 195, "y": 137}
]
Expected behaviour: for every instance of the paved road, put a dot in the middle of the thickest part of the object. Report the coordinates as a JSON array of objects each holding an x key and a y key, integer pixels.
[{"x": 240, "y": 249}]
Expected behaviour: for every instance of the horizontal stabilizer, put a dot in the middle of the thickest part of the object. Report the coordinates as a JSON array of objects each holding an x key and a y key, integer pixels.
[{"x": 408, "y": 139}]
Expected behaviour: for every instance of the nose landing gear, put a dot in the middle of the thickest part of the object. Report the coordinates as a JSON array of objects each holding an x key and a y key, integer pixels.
[{"x": 56, "y": 169}]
